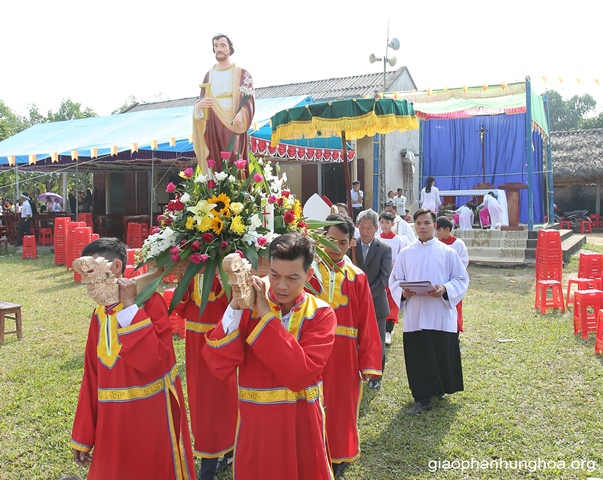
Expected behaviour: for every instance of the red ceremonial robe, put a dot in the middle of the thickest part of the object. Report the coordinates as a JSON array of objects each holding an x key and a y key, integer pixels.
[
  {"x": 281, "y": 433},
  {"x": 459, "y": 306},
  {"x": 212, "y": 401},
  {"x": 357, "y": 349},
  {"x": 131, "y": 408}
]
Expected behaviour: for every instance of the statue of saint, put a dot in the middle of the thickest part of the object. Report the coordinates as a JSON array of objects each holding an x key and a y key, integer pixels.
[{"x": 224, "y": 111}]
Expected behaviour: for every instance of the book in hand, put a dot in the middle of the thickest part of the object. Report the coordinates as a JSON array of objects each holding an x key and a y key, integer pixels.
[{"x": 421, "y": 287}]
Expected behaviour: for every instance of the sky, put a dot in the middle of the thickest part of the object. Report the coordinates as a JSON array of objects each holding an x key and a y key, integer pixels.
[{"x": 101, "y": 53}]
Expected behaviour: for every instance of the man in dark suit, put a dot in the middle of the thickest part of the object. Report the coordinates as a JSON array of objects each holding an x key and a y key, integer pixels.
[{"x": 374, "y": 257}]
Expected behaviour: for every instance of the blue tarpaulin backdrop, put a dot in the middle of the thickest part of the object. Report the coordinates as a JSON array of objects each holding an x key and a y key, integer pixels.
[{"x": 452, "y": 155}]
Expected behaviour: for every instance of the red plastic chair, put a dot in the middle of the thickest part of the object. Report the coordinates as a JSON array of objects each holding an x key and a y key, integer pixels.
[
  {"x": 556, "y": 300},
  {"x": 585, "y": 321},
  {"x": 30, "y": 249},
  {"x": 599, "y": 335}
]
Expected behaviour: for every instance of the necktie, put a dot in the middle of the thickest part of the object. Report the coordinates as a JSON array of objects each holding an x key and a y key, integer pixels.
[{"x": 365, "y": 249}]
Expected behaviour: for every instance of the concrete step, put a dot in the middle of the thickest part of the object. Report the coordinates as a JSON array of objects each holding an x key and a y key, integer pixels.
[{"x": 571, "y": 243}]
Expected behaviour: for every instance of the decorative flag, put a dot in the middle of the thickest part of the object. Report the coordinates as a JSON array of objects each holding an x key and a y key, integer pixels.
[
  {"x": 544, "y": 79},
  {"x": 464, "y": 88},
  {"x": 54, "y": 157},
  {"x": 579, "y": 82},
  {"x": 74, "y": 154},
  {"x": 429, "y": 92},
  {"x": 134, "y": 147},
  {"x": 93, "y": 152},
  {"x": 190, "y": 139},
  {"x": 32, "y": 159},
  {"x": 560, "y": 80},
  {"x": 12, "y": 160},
  {"x": 503, "y": 85},
  {"x": 172, "y": 141},
  {"x": 154, "y": 145},
  {"x": 114, "y": 150},
  {"x": 597, "y": 82},
  {"x": 485, "y": 87}
]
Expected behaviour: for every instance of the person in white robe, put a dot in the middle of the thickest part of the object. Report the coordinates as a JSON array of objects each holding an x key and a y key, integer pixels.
[
  {"x": 400, "y": 227},
  {"x": 431, "y": 346},
  {"x": 465, "y": 217},
  {"x": 494, "y": 210}
]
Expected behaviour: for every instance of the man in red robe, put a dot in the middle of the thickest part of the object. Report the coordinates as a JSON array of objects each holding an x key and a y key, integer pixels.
[
  {"x": 212, "y": 401},
  {"x": 357, "y": 349},
  {"x": 131, "y": 409},
  {"x": 225, "y": 109},
  {"x": 280, "y": 348}
]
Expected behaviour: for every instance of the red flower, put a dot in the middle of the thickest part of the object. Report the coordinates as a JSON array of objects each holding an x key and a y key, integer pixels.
[
  {"x": 207, "y": 237},
  {"x": 170, "y": 188},
  {"x": 240, "y": 253},
  {"x": 175, "y": 205},
  {"x": 262, "y": 241},
  {"x": 168, "y": 221},
  {"x": 224, "y": 155},
  {"x": 175, "y": 258},
  {"x": 302, "y": 224},
  {"x": 289, "y": 216},
  {"x": 257, "y": 178},
  {"x": 174, "y": 250},
  {"x": 280, "y": 201},
  {"x": 286, "y": 193},
  {"x": 224, "y": 245},
  {"x": 272, "y": 198},
  {"x": 196, "y": 245},
  {"x": 196, "y": 258},
  {"x": 211, "y": 163},
  {"x": 188, "y": 173},
  {"x": 240, "y": 164},
  {"x": 211, "y": 184}
]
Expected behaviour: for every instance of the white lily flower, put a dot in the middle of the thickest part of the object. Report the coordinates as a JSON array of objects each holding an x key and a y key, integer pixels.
[
  {"x": 221, "y": 176},
  {"x": 201, "y": 178},
  {"x": 232, "y": 179},
  {"x": 185, "y": 198}
]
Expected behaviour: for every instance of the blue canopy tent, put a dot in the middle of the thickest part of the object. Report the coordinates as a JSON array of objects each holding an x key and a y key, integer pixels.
[
  {"x": 159, "y": 134},
  {"x": 451, "y": 141}
]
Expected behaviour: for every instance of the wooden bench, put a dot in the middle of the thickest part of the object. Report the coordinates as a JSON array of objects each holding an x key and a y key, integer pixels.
[{"x": 10, "y": 311}]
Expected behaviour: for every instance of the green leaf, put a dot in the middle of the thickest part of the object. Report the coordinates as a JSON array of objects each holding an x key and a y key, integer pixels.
[
  {"x": 150, "y": 289},
  {"x": 325, "y": 242},
  {"x": 314, "y": 224},
  {"x": 189, "y": 274},
  {"x": 208, "y": 279},
  {"x": 311, "y": 289},
  {"x": 251, "y": 254},
  {"x": 225, "y": 285}
]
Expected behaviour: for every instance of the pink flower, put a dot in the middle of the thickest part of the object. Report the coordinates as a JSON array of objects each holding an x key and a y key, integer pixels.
[
  {"x": 211, "y": 163},
  {"x": 171, "y": 188},
  {"x": 272, "y": 198},
  {"x": 286, "y": 193},
  {"x": 240, "y": 253},
  {"x": 224, "y": 155},
  {"x": 257, "y": 178},
  {"x": 168, "y": 221},
  {"x": 196, "y": 245},
  {"x": 188, "y": 173},
  {"x": 175, "y": 258},
  {"x": 240, "y": 164},
  {"x": 211, "y": 184},
  {"x": 159, "y": 218},
  {"x": 207, "y": 237},
  {"x": 224, "y": 245},
  {"x": 262, "y": 241},
  {"x": 204, "y": 257},
  {"x": 196, "y": 258},
  {"x": 174, "y": 250},
  {"x": 155, "y": 230}
]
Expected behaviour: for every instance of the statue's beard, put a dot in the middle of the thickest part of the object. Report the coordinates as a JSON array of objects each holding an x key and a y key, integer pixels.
[{"x": 221, "y": 56}]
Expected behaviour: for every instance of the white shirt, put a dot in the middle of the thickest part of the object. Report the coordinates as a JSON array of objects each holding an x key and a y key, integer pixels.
[
  {"x": 437, "y": 262},
  {"x": 396, "y": 244},
  {"x": 26, "y": 209},
  {"x": 402, "y": 229},
  {"x": 459, "y": 247},
  {"x": 431, "y": 200},
  {"x": 465, "y": 217},
  {"x": 356, "y": 197},
  {"x": 400, "y": 203}
]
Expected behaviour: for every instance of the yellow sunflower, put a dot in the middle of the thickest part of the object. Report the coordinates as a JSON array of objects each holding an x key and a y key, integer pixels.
[
  {"x": 237, "y": 226},
  {"x": 205, "y": 224},
  {"x": 217, "y": 225},
  {"x": 222, "y": 203}
]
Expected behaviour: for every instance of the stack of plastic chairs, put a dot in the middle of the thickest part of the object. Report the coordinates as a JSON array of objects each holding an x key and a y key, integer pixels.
[
  {"x": 549, "y": 269},
  {"x": 70, "y": 251},
  {"x": 30, "y": 249},
  {"x": 178, "y": 323},
  {"x": 86, "y": 218},
  {"x": 588, "y": 302},
  {"x": 82, "y": 236},
  {"x": 134, "y": 235},
  {"x": 590, "y": 265},
  {"x": 60, "y": 240}
]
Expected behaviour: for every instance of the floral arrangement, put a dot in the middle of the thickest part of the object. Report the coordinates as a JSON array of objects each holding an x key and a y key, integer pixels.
[{"x": 239, "y": 209}]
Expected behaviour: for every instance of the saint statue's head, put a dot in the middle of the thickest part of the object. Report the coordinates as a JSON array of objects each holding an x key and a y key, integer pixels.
[{"x": 222, "y": 46}]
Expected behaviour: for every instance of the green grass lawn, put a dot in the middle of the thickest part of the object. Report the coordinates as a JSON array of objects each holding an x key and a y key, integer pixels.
[{"x": 531, "y": 406}]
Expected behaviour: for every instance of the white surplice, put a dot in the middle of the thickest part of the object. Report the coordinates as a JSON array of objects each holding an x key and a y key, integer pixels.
[{"x": 437, "y": 262}]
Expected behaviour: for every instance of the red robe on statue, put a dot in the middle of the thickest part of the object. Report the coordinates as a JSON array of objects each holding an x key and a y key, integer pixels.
[
  {"x": 212, "y": 401},
  {"x": 131, "y": 408},
  {"x": 357, "y": 350},
  {"x": 281, "y": 418}
]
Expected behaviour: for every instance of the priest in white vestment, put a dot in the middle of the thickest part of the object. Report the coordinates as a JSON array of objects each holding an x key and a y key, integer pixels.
[{"x": 431, "y": 344}]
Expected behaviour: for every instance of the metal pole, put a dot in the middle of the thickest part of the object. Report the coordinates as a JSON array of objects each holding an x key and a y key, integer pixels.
[
  {"x": 152, "y": 192},
  {"x": 529, "y": 153},
  {"x": 549, "y": 164},
  {"x": 376, "y": 172}
]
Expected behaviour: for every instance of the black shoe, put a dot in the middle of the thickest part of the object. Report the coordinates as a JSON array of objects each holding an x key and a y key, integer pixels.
[
  {"x": 223, "y": 464},
  {"x": 374, "y": 383},
  {"x": 339, "y": 468},
  {"x": 419, "y": 408}
]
